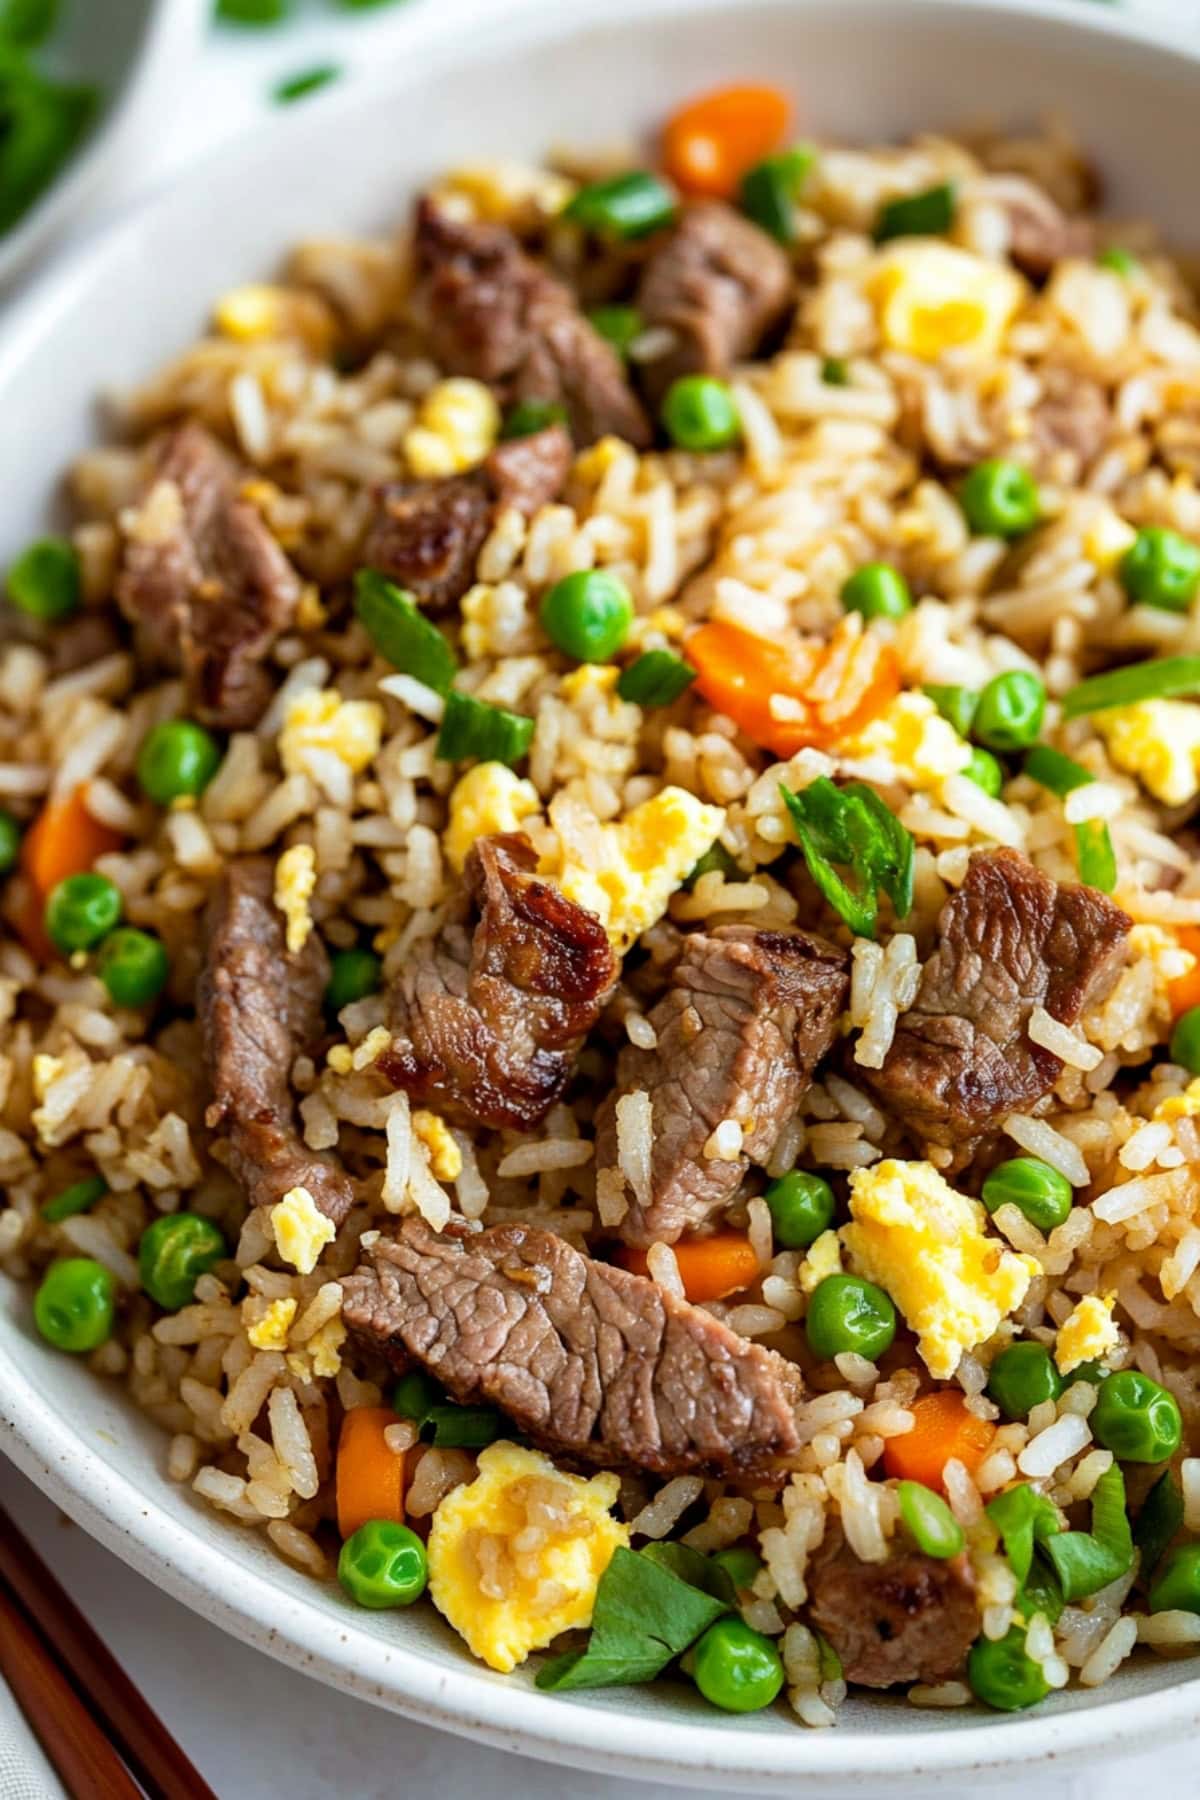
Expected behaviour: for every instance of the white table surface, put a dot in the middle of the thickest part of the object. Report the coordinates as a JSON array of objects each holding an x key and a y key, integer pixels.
[{"x": 254, "y": 1729}]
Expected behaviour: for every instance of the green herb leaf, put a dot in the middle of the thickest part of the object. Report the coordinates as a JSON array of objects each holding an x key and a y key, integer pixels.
[
  {"x": 24, "y": 24},
  {"x": 1159, "y": 1520},
  {"x": 1086, "y": 1561},
  {"x": 401, "y": 633},
  {"x": 656, "y": 679},
  {"x": 471, "y": 727},
  {"x": 1024, "y": 1518},
  {"x": 1051, "y": 769},
  {"x": 1159, "y": 679},
  {"x": 715, "y": 857},
  {"x": 853, "y": 827},
  {"x": 307, "y": 81},
  {"x": 644, "y": 1616},
  {"x": 80, "y": 1197},
  {"x": 42, "y": 123},
  {"x": 694, "y": 1567},
  {"x": 1095, "y": 856}
]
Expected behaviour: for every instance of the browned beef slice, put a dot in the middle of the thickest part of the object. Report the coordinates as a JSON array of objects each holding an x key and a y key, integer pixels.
[
  {"x": 1040, "y": 232},
  {"x": 259, "y": 1008},
  {"x": 593, "y": 1362},
  {"x": 487, "y": 1022},
  {"x": 493, "y": 313},
  {"x": 1070, "y": 425},
  {"x": 908, "y": 1619},
  {"x": 1010, "y": 939},
  {"x": 427, "y": 535},
  {"x": 719, "y": 285},
  {"x": 748, "y": 1016},
  {"x": 209, "y": 595}
]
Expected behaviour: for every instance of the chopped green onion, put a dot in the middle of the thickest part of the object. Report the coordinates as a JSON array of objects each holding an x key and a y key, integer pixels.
[
  {"x": 80, "y": 1197},
  {"x": 1053, "y": 770},
  {"x": 917, "y": 215},
  {"x": 852, "y": 826},
  {"x": 929, "y": 1521},
  {"x": 1119, "y": 260},
  {"x": 1095, "y": 855},
  {"x": 770, "y": 189},
  {"x": 835, "y": 372},
  {"x": 464, "y": 1427},
  {"x": 529, "y": 416},
  {"x": 714, "y": 858},
  {"x": 1159, "y": 679},
  {"x": 1159, "y": 1520},
  {"x": 1024, "y": 1518},
  {"x": 253, "y": 12},
  {"x": 656, "y": 679},
  {"x": 617, "y": 325},
  {"x": 956, "y": 704},
  {"x": 401, "y": 633},
  {"x": 471, "y": 727},
  {"x": 624, "y": 206},
  {"x": 306, "y": 82},
  {"x": 1086, "y": 1561}
]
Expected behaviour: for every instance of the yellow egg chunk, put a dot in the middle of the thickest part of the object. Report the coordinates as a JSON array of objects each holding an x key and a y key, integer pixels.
[
  {"x": 645, "y": 858},
  {"x": 295, "y": 879},
  {"x": 445, "y": 1157},
  {"x": 487, "y": 799},
  {"x": 1180, "y": 1106},
  {"x": 271, "y": 1331},
  {"x": 912, "y": 734},
  {"x": 457, "y": 425},
  {"x": 931, "y": 297},
  {"x": 301, "y": 1229},
  {"x": 259, "y": 311},
  {"x": 1087, "y": 1333},
  {"x": 1107, "y": 538},
  {"x": 824, "y": 1258},
  {"x": 1159, "y": 742},
  {"x": 516, "y": 1555},
  {"x": 925, "y": 1245},
  {"x": 319, "y": 725}
]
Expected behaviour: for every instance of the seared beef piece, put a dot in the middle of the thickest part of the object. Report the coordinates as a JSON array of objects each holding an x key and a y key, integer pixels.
[
  {"x": 719, "y": 284},
  {"x": 210, "y": 593},
  {"x": 493, "y": 313},
  {"x": 910, "y": 1618},
  {"x": 86, "y": 638},
  {"x": 427, "y": 535},
  {"x": 594, "y": 1363},
  {"x": 1070, "y": 425},
  {"x": 1040, "y": 232},
  {"x": 487, "y": 1022},
  {"x": 748, "y": 1016},
  {"x": 1010, "y": 939},
  {"x": 260, "y": 1008}
]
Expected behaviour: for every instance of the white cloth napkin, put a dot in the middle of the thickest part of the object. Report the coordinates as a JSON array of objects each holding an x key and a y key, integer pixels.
[{"x": 24, "y": 1772}]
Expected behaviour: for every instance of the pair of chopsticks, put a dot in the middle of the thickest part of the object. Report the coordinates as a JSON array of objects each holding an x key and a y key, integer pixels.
[{"x": 94, "y": 1726}]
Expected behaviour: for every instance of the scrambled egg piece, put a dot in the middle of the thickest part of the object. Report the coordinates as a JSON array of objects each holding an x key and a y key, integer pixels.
[
  {"x": 319, "y": 724},
  {"x": 445, "y": 1157},
  {"x": 324, "y": 1347},
  {"x": 301, "y": 1229},
  {"x": 1159, "y": 742},
  {"x": 646, "y": 856},
  {"x": 1179, "y": 1106},
  {"x": 1107, "y": 538},
  {"x": 824, "y": 1258},
  {"x": 506, "y": 191},
  {"x": 911, "y": 733},
  {"x": 457, "y": 425},
  {"x": 925, "y": 1244},
  {"x": 1088, "y": 1332},
  {"x": 505, "y": 1593},
  {"x": 931, "y": 297},
  {"x": 295, "y": 879},
  {"x": 259, "y": 311},
  {"x": 487, "y": 799},
  {"x": 271, "y": 1331}
]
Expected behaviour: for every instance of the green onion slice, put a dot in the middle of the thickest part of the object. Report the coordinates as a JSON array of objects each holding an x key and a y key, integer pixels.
[
  {"x": 1159, "y": 1520},
  {"x": 770, "y": 189},
  {"x": 1159, "y": 679},
  {"x": 624, "y": 206},
  {"x": 80, "y": 1197},
  {"x": 1086, "y": 1561},
  {"x": 1052, "y": 769},
  {"x": 656, "y": 679},
  {"x": 1095, "y": 855},
  {"x": 917, "y": 215},
  {"x": 852, "y": 826},
  {"x": 401, "y": 633},
  {"x": 307, "y": 81},
  {"x": 471, "y": 727}
]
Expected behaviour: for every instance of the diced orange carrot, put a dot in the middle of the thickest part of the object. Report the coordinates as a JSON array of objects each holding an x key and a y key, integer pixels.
[
  {"x": 793, "y": 697},
  {"x": 944, "y": 1429},
  {"x": 1184, "y": 991},
  {"x": 709, "y": 1267},
  {"x": 370, "y": 1477},
  {"x": 710, "y": 143},
  {"x": 63, "y": 840}
]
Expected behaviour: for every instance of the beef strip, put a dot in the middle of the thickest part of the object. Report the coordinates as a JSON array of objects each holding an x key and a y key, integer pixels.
[
  {"x": 427, "y": 535},
  {"x": 493, "y": 313},
  {"x": 910, "y": 1618},
  {"x": 1010, "y": 939},
  {"x": 594, "y": 1363},
  {"x": 1041, "y": 234},
  {"x": 746, "y": 1019},
  {"x": 208, "y": 589},
  {"x": 259, "y": 1008},
  {"x": 718, "y": 285},
  {"x": 1070, "y": 425},
  {"x": 487, "y": 1022}
]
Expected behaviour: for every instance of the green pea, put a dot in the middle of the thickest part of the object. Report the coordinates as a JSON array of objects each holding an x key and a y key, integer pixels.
[
  {"x": 353, "y": 974},
  {"x": 1010, "y": 711},
  {"x": 1178, "y": 1585},
  {"x": 587, "y": 615},
  {"x": 736, "y": 1668},
  {"x": 802, "y": 1207},
  {"x": 699, "y": 413},
  {"x": 1185, "y": 1041},
  {"x": 383, "y": 1564},
  {"x": 1022, "y": 1377},
  {"x": 877, "y": 591},
  {"x": 44, "y": 581},
  {"x": 849, "y": 1314},
  {"x": 414, "y": 1395},
  {"x": 957, "y": 704},
  {"x": 177, "y": 758},
  {"x": 930, "y": 1523},
  {"x": 1003, "y": 1675},
  {"x": 835, "y": 371},
  {"x": 173, "y": 1254},
  {"x": 1026, "y": 1182},
  {"x": 740, "y": 1564},
  {"x": 985, "y": 772},
  {"x": 80, "y": 1197},
  {"x": 133, "y": 967},
  {"x": 617, "y": 325},
  {"x": 75, "y": 1305},
  {"x": 1000, "y": 499},
  {"x": 1136, "y": 1419},
  {"x": 10, "y": 841},
  {"x": 1120, "y": 261},
  {"x": 1161, "y": 568},
  {"x": 530, "y": 416},
  {"x": 80, "y": 911}
]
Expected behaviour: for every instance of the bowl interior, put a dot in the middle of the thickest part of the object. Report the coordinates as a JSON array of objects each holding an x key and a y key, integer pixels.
[{"x": 862, "y": 69}]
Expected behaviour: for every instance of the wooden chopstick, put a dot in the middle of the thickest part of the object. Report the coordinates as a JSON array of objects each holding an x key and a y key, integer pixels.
[
  {"x": 74, "y": 1743},
  {"x": 127, "y": 1718}
]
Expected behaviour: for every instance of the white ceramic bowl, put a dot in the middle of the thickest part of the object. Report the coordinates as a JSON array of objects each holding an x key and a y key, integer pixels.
[
  {"x": 865, "y": 68},
  {"x": 136, "y": 51}
]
